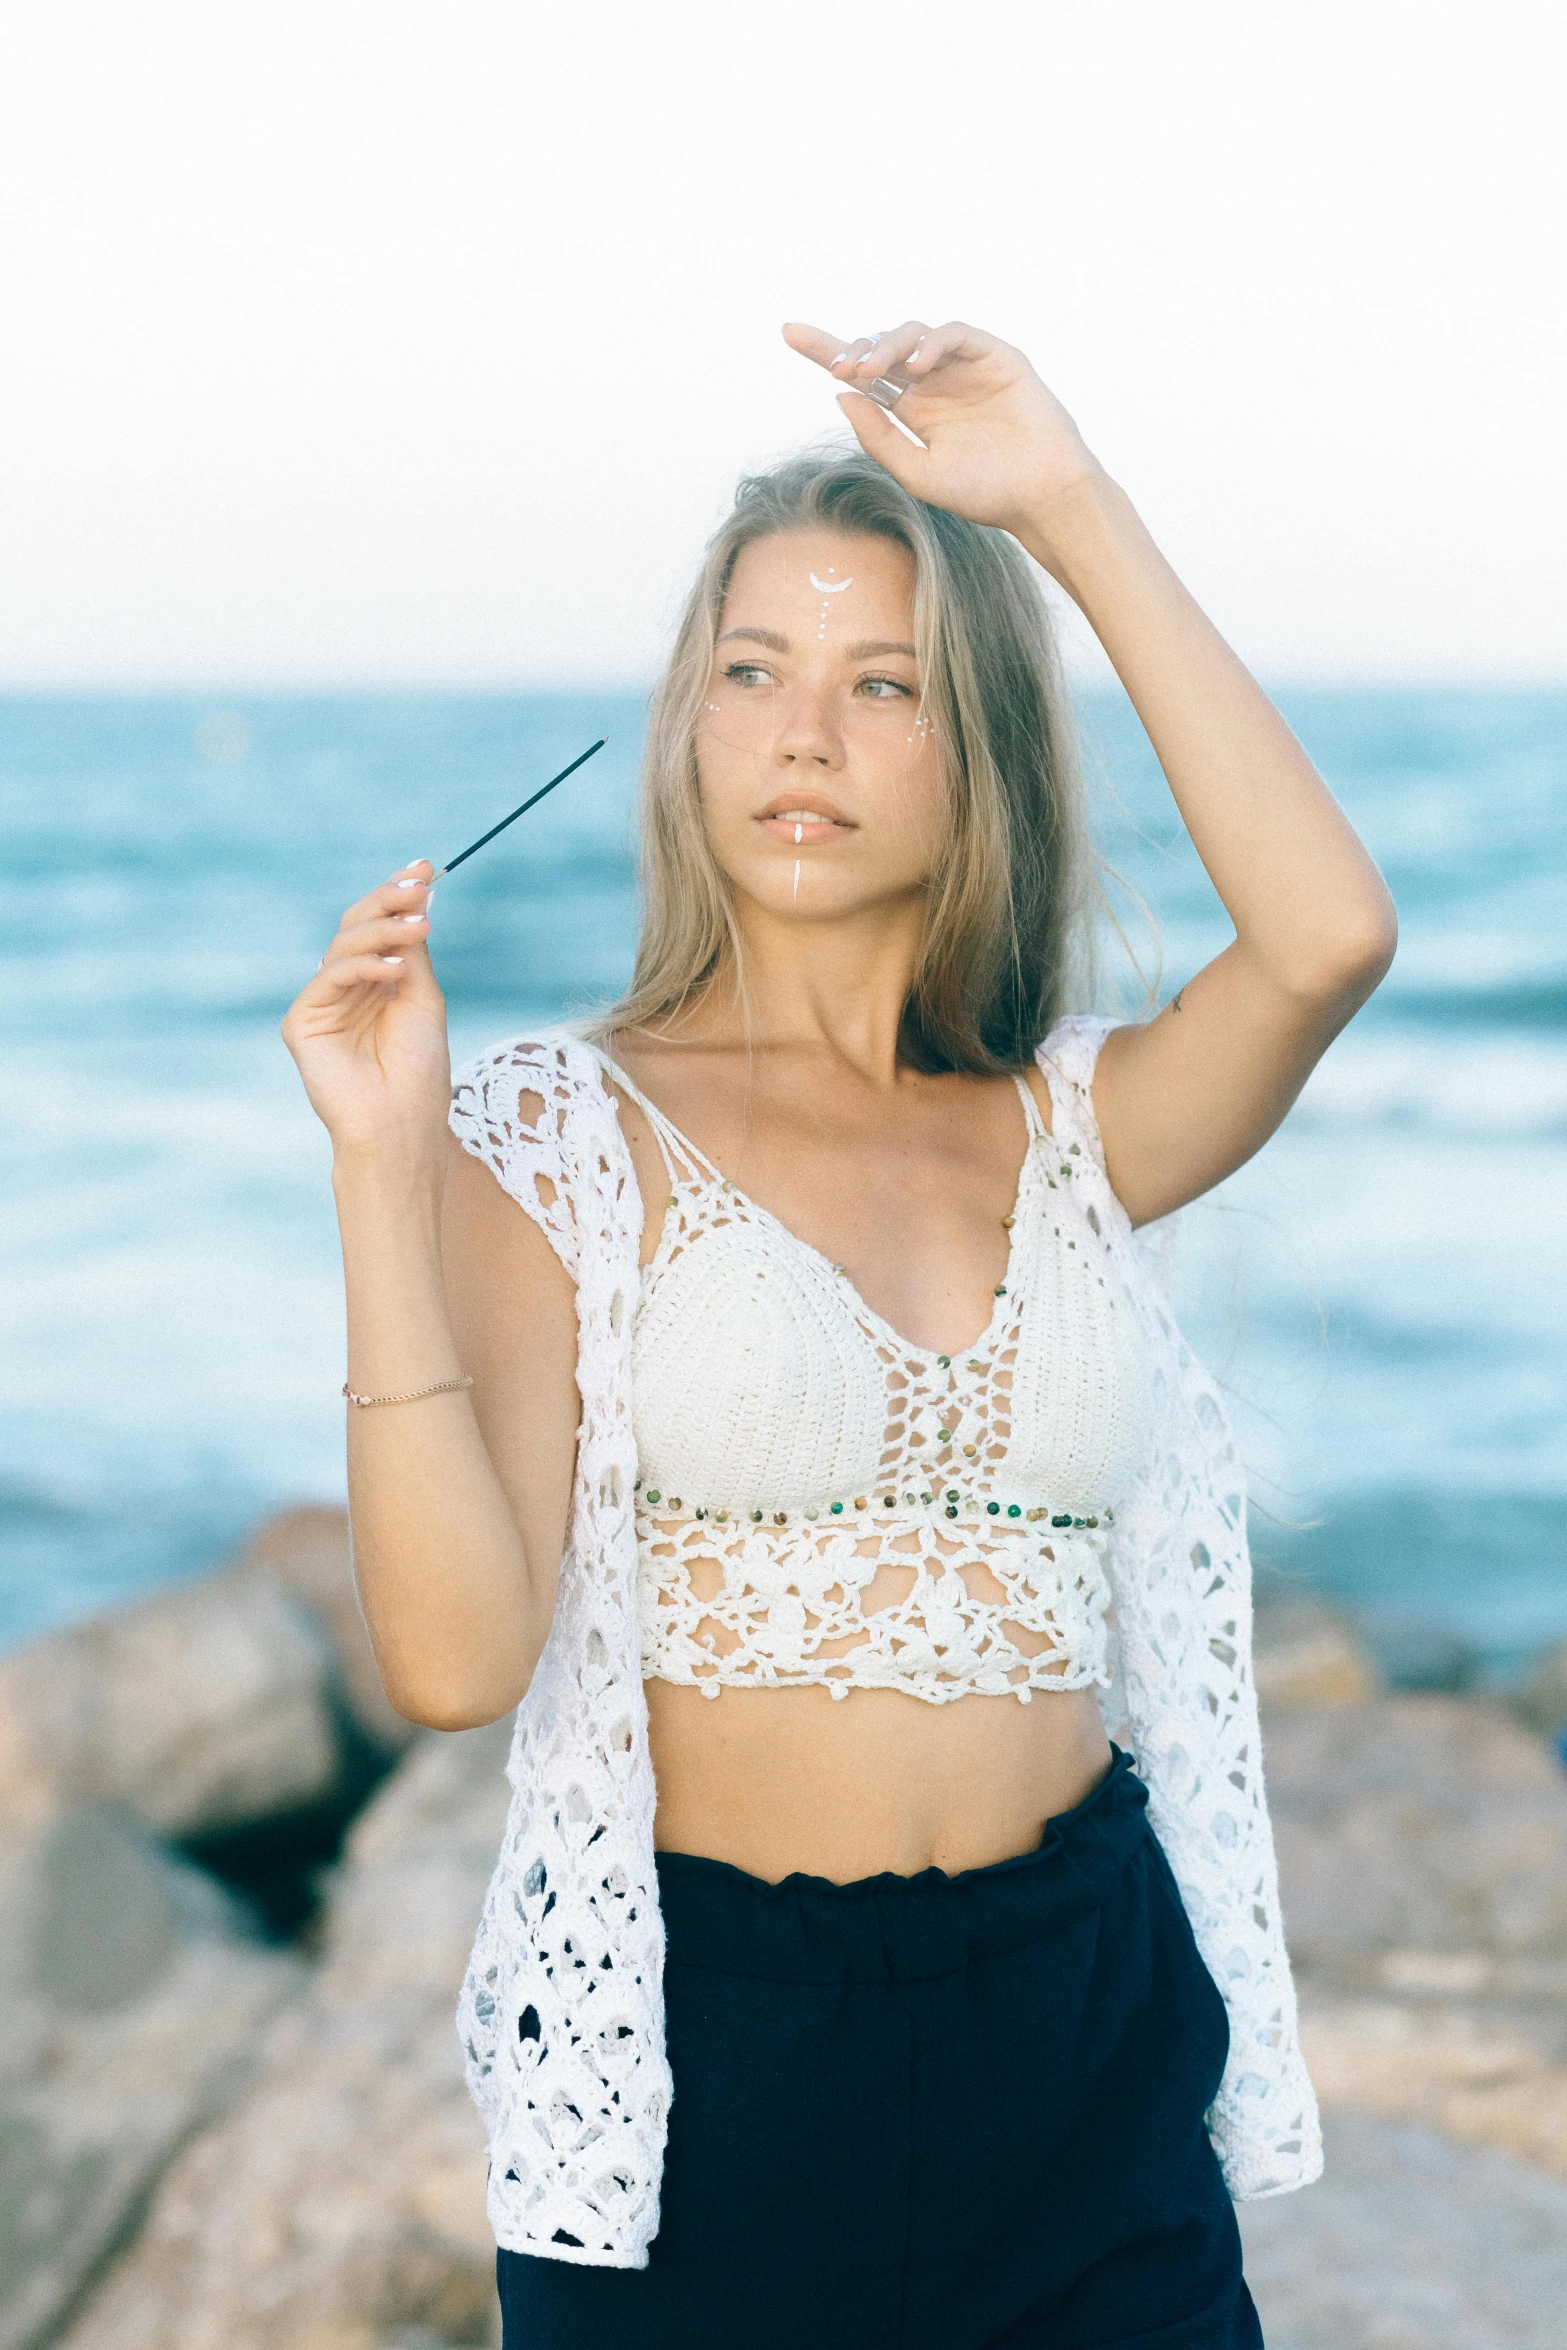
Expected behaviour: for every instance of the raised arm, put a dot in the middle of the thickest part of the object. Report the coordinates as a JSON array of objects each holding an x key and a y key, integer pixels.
[
  {"x": 1185, "y": 1098},
  {"x": 458, "y": 1502}
]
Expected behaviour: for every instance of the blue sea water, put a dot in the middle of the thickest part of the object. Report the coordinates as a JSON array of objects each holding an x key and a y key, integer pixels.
[{"x": 1383, "y": 1291}]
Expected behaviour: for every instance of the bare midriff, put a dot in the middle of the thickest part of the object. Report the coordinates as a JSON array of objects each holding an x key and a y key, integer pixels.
[{"x": 775, "y": 1780}]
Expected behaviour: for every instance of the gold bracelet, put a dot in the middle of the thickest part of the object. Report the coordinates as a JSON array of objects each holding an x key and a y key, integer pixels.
[{"x": 438, "y": 1389}]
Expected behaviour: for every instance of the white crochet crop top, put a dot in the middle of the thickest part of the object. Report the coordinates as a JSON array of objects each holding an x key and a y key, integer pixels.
[{"x": 821, "y": 1502}]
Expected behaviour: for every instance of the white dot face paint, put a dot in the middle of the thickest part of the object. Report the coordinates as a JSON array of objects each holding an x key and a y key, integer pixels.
[
  {"x": 797, "y": 870},
  {"x": 799, "y": 835},
  {"x": 830, "y": 586}
]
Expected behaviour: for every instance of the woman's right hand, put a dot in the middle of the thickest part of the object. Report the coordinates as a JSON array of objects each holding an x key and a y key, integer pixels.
[{"x": 368, "y": 1030}]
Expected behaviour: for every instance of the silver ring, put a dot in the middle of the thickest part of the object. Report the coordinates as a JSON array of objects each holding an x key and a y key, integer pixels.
[{"x": 885, "y": 394}]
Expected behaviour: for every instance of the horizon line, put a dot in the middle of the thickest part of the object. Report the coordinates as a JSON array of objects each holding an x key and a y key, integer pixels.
[{"x": 282, "y": 684}]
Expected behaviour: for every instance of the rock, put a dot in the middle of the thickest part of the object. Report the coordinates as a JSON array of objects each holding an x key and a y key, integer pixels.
[
  {"x": 1541, "y": 1702},
  {"x": 342, "y": 2207},
  {"x": 131, "y": 2000},
  {"x": 1408, "y": 2061},
  {"x": 1306, "y": 1652},
  {"x": 307, "y": 1551},
  {"x": 1422, "y": 1846},
  {"x": 1412, "y": 1652},
  {"x": 1409, "y": 2242},
  {"x": 201, "y": 1708},
  {"x": 1415, "y": 1830}
]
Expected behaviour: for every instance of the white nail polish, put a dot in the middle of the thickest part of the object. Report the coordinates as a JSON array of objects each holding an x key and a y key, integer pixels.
[{"x": 391, "y": 958}]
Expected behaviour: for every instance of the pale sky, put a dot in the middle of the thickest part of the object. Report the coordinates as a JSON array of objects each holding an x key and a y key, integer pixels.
[{"x": 422, "y": 340}]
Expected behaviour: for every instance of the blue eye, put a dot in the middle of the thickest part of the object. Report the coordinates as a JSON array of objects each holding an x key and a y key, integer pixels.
[
  {"x": 747, "y": 673},
  {"x": 887, "y": 689}
]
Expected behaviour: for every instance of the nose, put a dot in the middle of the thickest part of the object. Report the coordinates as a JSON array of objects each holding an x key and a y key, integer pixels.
[{"x": 808, "y": 731}]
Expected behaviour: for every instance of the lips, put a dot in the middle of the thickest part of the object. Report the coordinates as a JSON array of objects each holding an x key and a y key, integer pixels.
[{"x": 803, "y": 819}]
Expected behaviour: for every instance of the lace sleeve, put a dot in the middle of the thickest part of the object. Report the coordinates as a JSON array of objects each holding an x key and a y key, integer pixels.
[
  {"x": 1180, "y": 1572},
  {"x": 561, "y": 2014},
  {"x": 510, "y": 1107}
]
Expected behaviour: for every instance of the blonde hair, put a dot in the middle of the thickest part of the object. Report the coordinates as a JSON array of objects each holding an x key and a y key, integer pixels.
[{"x": 1006, "y": 914}]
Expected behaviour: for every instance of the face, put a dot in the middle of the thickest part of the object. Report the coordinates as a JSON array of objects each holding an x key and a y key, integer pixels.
[{"x": 819, "y": 774}]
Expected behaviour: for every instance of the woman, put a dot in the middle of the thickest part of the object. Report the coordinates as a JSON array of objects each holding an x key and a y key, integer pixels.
[{"x": 816, "y": 1465}]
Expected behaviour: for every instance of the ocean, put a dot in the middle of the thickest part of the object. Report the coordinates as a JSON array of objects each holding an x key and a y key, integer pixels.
[{"x": 1383, "y": 1291}]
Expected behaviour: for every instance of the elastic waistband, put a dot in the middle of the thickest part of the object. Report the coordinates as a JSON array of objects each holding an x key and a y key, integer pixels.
[{"x": 892, "y": 1929}]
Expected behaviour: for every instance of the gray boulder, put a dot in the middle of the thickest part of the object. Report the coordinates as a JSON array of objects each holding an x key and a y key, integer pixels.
[
  {"x": 1423, "y": 1872},
  {"x": 1419, "y": 1830},
  {"x": 201, "y": 1708},
  {"x": 131, "y": 2003},
  {"x": 1410, "y": 2242},
  {"x": 1305, "y": 1651},
  {"x": 1541, "y": 1702},
  {"x": 307, "y": 1551},
  {"x": 342, "y": 2206}
]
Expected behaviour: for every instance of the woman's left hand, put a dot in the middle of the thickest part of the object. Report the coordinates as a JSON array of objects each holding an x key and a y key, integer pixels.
[{"x": 998, "y": 445}]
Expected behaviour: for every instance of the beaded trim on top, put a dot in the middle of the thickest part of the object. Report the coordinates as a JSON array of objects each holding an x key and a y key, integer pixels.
[{"x": 951, "y": 1501}]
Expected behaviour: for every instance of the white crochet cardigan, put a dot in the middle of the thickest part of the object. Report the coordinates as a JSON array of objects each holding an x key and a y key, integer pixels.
[{"x": 562, "y": 2013}]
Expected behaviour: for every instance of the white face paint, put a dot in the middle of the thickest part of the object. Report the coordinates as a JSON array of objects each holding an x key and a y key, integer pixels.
[
  {"x": 830, "y": 586},
  {"x": 797, "y": 870}
]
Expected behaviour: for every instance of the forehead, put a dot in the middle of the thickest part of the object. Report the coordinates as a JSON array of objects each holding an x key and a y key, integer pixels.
[{"x": 790, "y": 567}]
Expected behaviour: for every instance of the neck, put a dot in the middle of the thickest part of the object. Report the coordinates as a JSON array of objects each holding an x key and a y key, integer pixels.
[{"x": 836, "y": 987}]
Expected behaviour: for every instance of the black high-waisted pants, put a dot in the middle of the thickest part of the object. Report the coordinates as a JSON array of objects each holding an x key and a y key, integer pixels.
[{"x": 930, "y": 2113}]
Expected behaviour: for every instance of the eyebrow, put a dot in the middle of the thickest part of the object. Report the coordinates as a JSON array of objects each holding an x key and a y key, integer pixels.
[{"x": 866, "y": 650}]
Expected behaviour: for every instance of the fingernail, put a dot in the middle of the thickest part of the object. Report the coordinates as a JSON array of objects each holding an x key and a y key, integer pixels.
[
  {"x": 391, "y": 958},
  {"x": 410, "y": 917}
]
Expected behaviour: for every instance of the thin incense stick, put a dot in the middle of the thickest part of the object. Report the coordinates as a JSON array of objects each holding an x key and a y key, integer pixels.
[{"x": 522, "y": 811}]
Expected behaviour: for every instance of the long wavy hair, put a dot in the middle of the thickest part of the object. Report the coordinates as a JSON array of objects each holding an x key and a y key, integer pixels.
[{"x": 1006, "y": 933}]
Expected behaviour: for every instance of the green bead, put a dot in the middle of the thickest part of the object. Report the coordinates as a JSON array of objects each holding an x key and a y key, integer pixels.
[
  {"x": 993, "y": 1508},
  {"x": 655, "y": 1495},
  {"x": 945, "y": 1361},
  {"x": 1001, "y": 1289},
  {"x": 944, "y": 1436},
  {"x": 927, "y": 1497},
  {"x": 836, "y": 1508},
  {"x": 756, "y": 1517},
  {"x": 953, "y": 1494},
  {"x": 1062, "y": 1521},
  {"x": 951, "y": 1512},
  {"x": 701, "y": 1513},
  {"x": 1013, "y": 1510}
]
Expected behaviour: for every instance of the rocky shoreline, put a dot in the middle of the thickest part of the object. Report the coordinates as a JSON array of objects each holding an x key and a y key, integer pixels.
[{"x": 237, "y": 1894}]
